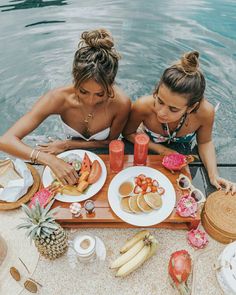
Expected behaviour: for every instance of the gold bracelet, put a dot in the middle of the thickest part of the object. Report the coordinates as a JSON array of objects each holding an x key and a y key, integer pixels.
[
  {"x": 31, "y": 155},
  {"x": 36, "y": 157}
]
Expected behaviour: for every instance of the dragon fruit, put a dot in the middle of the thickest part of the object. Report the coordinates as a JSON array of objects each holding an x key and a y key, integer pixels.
[
  {"x": 175, "y": 162},
  {"x": 45, "y": 195},
  {"x": 42, "y": 196},
  {"x": 187, "y": 206},
  {"x": 197, "y": 238},
  {"x": 180, "y": 266}
]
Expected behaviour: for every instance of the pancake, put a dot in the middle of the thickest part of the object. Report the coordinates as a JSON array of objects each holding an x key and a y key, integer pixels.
[
  {"x": 154, "y": 200},
  {"x": 125, "y": 205},
  {"x": 133, "y": 204},
  {"x": 142, "y": 204}
]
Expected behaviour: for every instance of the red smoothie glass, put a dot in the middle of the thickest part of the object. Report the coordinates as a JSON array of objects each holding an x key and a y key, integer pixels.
[
  {"x": 141, "y": 141},
  {"x": 116, "y": 155}
]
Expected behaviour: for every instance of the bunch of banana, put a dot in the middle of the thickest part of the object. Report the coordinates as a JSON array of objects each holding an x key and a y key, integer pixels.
[{"x": 135, "y": 252}]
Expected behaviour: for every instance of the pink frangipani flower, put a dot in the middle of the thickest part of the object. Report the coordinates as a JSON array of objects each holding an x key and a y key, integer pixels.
[
  {"x": 187, "y": 206},
  {"x": 197, "y": 238}
]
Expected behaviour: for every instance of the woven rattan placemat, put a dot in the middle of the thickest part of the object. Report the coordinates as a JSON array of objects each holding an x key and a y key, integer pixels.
[{"x": 32, "y": 190}]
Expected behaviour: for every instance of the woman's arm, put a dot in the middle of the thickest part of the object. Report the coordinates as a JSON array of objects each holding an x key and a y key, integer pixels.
[
  {"x": 207, "y": 154},
  {"x": 11, "y": 142},
  {"x": 137, "y": 116}
]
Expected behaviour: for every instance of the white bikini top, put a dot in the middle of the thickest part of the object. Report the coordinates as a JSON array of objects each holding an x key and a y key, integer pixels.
[{"x": 70, "y": 132}]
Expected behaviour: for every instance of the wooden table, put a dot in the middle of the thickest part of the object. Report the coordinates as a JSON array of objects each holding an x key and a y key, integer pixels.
[{"x": 105, "y": 217}]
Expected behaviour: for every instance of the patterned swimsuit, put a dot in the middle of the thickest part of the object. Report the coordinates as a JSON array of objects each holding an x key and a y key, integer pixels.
[{"x": 169, "y": 137}]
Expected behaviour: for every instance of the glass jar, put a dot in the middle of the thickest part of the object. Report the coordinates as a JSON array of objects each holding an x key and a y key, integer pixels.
[
  {"x": 85, "y": 248},
  {"x": 89, "y": 206}
]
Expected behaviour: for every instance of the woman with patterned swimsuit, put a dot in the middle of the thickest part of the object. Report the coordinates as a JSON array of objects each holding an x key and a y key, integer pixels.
[
  {"x": 90, "y": 108},
  {"x": 176, "y": 113}
]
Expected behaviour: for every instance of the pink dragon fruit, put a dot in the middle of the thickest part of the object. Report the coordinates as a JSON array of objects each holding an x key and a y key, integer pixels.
[
  {"x": 197, "y": 238},
  {"x": 186, "y": 206},
  {"x": 180, "y": 266},
  {"x": 175, "y": 162},
  {"x": 42, "y": 196}
]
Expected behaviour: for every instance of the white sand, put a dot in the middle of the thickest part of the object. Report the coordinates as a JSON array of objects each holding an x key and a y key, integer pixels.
[{"x": 59, "y": 278}]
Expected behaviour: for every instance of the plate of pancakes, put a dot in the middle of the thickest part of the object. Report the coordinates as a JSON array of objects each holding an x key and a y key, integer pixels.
[{"x": 142, "y": 204}]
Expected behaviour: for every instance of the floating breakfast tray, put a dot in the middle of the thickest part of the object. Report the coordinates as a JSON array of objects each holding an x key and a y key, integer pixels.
[{"x": 105, "y": 217}]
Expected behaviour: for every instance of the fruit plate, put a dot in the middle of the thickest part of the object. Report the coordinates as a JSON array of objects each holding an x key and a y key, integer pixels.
[
  {"x": 47, "y": 178},
  {"x": 142, "y": 219}
]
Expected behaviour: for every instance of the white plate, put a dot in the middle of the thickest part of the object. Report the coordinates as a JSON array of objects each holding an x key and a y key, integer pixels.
[
  {"x": 142, "y": 219},
  {"x": 91, "y": 191}
]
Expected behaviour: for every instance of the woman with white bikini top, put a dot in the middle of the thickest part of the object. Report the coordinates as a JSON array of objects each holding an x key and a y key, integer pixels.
[{"x": 90, "y": 108}]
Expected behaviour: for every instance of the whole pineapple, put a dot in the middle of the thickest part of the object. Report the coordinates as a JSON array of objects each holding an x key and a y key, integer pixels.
[{"x": 49, "y": 237}]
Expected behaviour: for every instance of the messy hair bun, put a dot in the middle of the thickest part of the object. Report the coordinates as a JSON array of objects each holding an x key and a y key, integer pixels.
[
  {"x": 96, "y": 58},
  {"x": 185, "y": 78},
  {"x": 189, "y": 62},
  {"x": 100, "y": 38}
]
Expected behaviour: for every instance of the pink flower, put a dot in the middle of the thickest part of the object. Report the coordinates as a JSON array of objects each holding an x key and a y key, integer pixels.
[
  {"x": 197, "y": 238},
  {"x": 186, "y": 206}
]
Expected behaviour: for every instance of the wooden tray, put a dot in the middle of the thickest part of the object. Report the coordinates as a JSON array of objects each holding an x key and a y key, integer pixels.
[
  {"x": 105, "y": 217},
  {"x": 31, "y": 191}
]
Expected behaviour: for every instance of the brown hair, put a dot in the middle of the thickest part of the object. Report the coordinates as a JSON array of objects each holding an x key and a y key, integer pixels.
[
  {"x": 184, "y": 77},
  {"x": 96, "y": 58}
]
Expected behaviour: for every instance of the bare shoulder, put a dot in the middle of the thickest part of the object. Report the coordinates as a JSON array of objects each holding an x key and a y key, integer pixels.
[
  {"x": 121, "y": 99},
  {"x": 206, "y": 111},
  {"x": 58, "y": 94},
  {"x": 143, "y": 104},
  {"x": 56, "y": 99}
]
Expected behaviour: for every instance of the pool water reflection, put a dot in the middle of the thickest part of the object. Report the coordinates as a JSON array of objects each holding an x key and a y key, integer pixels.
[{"x": 38, "y": 40}]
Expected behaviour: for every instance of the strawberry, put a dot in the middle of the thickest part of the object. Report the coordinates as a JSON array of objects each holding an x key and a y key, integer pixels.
[
  {"x": 160, "y": 190},
  {"x": 155, "y": 183},
  {"x": 137, "y": 189}
]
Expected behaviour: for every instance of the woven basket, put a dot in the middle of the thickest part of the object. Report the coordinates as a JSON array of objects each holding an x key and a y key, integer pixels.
[
  {"x": 219, "y": 217},
  {"x": 31, "y": 191}
]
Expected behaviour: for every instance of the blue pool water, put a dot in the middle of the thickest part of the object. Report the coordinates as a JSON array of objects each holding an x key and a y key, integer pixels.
[{"x": 38, "y": 39}]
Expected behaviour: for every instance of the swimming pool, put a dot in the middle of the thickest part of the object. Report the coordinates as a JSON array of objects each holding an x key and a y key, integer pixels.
[{"x": 38, "y": 39}]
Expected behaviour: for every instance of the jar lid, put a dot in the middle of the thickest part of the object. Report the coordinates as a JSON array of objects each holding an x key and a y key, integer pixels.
[{"x": 84, "y": 245}]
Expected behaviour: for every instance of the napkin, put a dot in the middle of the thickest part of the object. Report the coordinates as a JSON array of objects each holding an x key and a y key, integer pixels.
[{"x": 16, "y": 187}]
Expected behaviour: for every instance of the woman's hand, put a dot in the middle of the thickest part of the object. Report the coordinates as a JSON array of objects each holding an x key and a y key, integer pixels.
[
  {"x": 55, "y": 147},
  {"x": 220, "y": 183},
  {"x": 64, "y": 172},
  {"x": 167, "y": 151}
]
